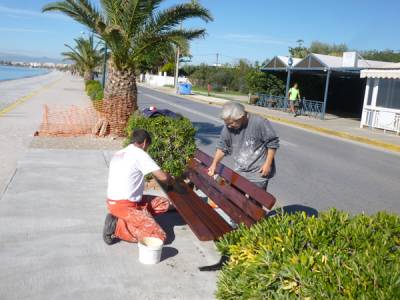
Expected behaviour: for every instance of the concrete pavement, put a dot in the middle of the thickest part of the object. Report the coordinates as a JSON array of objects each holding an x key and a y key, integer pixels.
[
  {"x": 52, "y": 209},
  {"x": 51, "y": 219},
  {"x": 21, "y": 107}
]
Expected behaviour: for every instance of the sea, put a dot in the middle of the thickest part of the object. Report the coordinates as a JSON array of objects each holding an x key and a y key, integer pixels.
[{"x": 11, "y": 72}]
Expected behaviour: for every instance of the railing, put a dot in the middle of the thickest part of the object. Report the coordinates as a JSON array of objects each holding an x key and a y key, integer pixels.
[
  {"x": 310, "y": 108},
  {"x": 378, "y": 118}
]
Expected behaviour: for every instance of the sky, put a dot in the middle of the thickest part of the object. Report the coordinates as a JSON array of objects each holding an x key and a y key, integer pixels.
[{"x": 254, "y": 29}]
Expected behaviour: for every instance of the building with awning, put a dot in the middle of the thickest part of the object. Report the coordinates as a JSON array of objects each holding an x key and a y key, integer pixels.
[
  {"x": 381, "y": 107},
  {"x": 328, "y": 84}
]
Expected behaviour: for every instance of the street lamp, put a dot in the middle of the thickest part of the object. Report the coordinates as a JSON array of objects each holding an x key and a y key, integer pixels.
[
  {"x": 290, "y": 63},
  {"x": 104, "y": 65}
]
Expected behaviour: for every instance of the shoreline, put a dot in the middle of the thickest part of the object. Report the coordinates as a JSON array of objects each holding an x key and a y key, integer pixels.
[{"x": 24, "y": 77}]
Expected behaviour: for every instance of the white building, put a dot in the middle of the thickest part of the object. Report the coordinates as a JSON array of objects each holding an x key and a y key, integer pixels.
[{"x": 381, "y": 107}]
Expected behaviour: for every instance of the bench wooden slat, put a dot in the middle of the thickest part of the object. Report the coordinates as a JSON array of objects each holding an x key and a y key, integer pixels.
[
  {"x": 251, "y": 209},
  {"x": 205, "y": 185},
  {"x": 181, "y": 198},
  {"x": 201, "y": 218},
  {"x": 211, "y": 219},
  {"x": 261, "y": 196}
]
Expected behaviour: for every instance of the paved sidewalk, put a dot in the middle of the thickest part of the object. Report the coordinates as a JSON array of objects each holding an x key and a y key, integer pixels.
[
  {"x": 346, "y": 128},
  {"x": 52, "y": 211},
  {"x": 51, "y": 219},
  {"x": 21, "y": 112}
]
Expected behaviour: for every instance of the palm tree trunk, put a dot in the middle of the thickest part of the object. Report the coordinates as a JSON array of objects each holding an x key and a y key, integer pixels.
[
  {"x": 88, "y": 75},
  {"x": 120, "y": 98}
]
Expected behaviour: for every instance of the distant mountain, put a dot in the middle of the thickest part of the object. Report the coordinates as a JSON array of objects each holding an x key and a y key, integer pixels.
[{"x": 24, "y": 58}]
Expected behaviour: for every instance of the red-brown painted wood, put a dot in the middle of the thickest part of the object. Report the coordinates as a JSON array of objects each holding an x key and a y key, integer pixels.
[{"x": 256, "y": 193}]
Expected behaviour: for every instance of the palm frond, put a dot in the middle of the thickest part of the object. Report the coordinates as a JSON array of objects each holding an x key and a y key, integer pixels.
[
  {"x": 80, "y": 10},
  {"x": 175, "y": 37},
  {"x": 171, "y": 17},
  {"x": 132, "y": 27},
  {"x": 84, "y": 53}
]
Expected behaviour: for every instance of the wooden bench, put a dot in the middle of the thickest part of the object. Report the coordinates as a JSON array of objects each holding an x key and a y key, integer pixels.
[{"x": 240, "y": 199}]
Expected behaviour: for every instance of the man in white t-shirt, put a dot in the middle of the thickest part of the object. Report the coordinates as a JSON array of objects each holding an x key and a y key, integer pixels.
[{"x": 131, "y": 212}]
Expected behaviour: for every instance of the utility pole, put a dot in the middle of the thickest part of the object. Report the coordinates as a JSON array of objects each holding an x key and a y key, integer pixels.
[
  {"x": 177, "y": 66},
  {"x": 217, "y": 60}
]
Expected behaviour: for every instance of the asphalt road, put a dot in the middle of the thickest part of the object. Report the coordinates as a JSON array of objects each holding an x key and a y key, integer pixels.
[{"x": 313, "y": 170}]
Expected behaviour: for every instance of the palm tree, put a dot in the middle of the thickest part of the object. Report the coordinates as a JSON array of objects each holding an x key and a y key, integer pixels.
[
  {"x": 131, "y": 28},
  {"x": 85, "y": 56}
]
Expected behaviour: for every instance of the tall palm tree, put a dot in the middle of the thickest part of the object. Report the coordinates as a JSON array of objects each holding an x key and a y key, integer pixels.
[
  {"x": 130, "y": 28},
  {"x": 85, "y": 56}
]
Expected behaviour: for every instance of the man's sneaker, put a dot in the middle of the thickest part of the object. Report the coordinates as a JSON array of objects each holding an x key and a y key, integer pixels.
[{"x": 109, "y": 228}]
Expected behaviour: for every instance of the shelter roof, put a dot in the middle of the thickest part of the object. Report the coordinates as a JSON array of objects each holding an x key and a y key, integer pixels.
[
  {"x": 281, "y": 62},
  {"x": 314, "y": 60},
  {"x": 374, "y": 73}
]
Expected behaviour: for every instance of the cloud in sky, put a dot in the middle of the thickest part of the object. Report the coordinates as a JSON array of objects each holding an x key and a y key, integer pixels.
[
  {"x": 10, "y": 29},
  {"x": 30, "y": 13},
  {"x": 256, "y": 39}
]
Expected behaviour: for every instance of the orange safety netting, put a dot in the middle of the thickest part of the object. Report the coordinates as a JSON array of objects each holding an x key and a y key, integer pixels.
[{"x": 71, "y": 121}]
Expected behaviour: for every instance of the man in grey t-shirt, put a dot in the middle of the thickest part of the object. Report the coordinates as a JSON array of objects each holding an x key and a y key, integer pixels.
[{"x": 251, "y": 141}]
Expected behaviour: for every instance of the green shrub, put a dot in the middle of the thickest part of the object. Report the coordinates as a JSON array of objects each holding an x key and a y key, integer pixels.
[
  {"x": 93, "y": 89},
  {"x": 90, "y": 82},
  {"x": 173, "y": 142},
  {"x": 334, "y": 256},
  {"x": 99, "y": 95}
]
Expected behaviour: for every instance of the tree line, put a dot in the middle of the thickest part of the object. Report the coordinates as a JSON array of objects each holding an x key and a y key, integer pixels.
[
  {"x": 241, "y": 76},
  {"x": 245, "y": 77},
  {"x": 300, "y": 51}
]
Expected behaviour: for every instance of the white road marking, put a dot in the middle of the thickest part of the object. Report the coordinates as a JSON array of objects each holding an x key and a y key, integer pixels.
[{"x": 196, "y": 112}]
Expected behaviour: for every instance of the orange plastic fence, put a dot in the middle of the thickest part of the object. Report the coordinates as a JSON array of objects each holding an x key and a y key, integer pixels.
[{"x": 69, "y": 121}]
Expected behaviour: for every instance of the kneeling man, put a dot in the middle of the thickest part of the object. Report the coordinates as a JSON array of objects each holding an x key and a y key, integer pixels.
[{"x": 131, "y": 212}]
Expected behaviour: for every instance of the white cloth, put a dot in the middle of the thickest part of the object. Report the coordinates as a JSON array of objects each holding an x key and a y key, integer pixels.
[{"x": 128, "y": 167}]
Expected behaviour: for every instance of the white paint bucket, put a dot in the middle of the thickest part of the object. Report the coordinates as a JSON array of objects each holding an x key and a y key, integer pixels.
[{"x": 150, "y": 250}]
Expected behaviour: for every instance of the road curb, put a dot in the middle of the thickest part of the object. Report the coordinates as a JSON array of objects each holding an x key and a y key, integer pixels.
[
  {"x": 331, "y": 132},
  {"x": 23, "y": 99}
]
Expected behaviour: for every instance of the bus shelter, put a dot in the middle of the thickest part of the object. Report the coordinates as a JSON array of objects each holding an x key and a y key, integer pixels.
[{"x": 327, "y": 83}]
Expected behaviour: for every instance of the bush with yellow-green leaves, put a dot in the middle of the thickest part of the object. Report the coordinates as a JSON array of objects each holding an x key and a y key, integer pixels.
[{"x": 332, "y": 256}]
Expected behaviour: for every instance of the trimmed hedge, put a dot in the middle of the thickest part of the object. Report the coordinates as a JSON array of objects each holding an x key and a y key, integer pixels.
[
  {"x": 94, "y": 90},
  {"x": 90, "y": 82},
  {"x": 173, "y": 142},
  {"x": 334, "y": 256}
]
